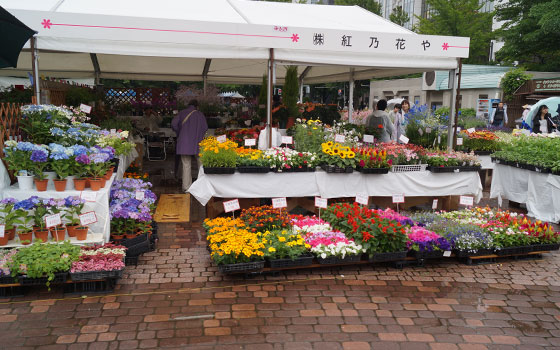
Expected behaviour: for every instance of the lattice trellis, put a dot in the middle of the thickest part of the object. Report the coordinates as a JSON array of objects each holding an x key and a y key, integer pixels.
[
  {"x": 139, "y": 99},
  {"x": 9, "y": 120}
]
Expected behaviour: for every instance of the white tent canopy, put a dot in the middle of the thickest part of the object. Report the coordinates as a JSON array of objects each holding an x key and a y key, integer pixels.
[{"x": 222, "y": 41}]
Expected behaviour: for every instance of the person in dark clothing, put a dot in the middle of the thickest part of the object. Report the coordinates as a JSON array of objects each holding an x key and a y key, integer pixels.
[
  {"x": 542, "y": 122},
  {"x": 499, "y": 116}
]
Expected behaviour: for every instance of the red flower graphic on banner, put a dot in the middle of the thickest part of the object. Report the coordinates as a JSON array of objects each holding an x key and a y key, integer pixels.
[
  {"x": 295, "y": 38},
  {"x": 445, "y": 46},
  {"x": 46, "y": 23}
]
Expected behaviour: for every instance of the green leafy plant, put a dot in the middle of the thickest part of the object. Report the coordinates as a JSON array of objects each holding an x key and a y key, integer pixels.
[
  {"x": 291, "y": 91},
  {"x": 512, "y": 81},
  {"x": 283, "y": 245}
]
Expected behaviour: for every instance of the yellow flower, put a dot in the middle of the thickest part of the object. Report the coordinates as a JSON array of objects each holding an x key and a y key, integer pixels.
[
  {"x": 342, "y": 155},
  {"x": 271, "y": 249},
  {"x": 282, "y": 239},
  {"x": 351, "y": 154},
  {"x": 330, "y": 143}
]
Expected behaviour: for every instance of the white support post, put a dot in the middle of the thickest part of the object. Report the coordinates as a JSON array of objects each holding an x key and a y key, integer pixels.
[
  {"x": 453, "y": 85},
  {"x": 301, "y": 90},
  {"x": 351, "y": 96},
  {"x": 269, "y": 97},
  {"x": 35, "y": 64}
]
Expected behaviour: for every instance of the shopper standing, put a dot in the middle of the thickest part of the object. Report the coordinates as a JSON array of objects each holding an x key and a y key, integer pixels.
[
  {"x": 190, "y": 126},
  {"x": 542, "y": 121},
  {"x": 499, "y": 116},
  {"x": 380, "y": 120}
]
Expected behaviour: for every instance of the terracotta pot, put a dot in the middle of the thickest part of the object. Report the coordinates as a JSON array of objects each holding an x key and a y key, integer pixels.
[
  {"x": 117, "y": 236},
  {"x": 88, "y": 185},
  {"x": 95, "y": 184},
  {"x": 131, "y": 235},
  {"x": 11, "y": 233},
  {"x": 108, "y": 174},
  {"x": 72, "y": 230},
  {"x": 26, "y": 237},
  {"x": 4, "y": 240},
  {"x": 80, "y": 184},
  {"x": 41, "y": 184},
  {"x": 42, "y": 234},
  {"x": 81, "y": 233},
  {"x": 60, "y": 185},
  {"x": 103, "y": 182},
  {"x": 58, "y": 233}
]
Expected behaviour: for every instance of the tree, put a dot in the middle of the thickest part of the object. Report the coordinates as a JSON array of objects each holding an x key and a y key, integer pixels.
[
  {"x": 399, "y": 16},
  {"x": 460, "y": 18},
  {"x": 512, "y": 81},
  {"x": 263, "y": 98},
  {"x": 530, "y": 33},
  {"x": 370, "y": 5},
  {"x": 291, "y": 90}
]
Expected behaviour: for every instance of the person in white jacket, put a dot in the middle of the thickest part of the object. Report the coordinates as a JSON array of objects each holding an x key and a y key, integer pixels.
[{"x": 499, "y": 116}]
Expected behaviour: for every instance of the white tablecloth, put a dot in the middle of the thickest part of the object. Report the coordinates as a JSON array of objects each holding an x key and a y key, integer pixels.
[
  {"x": 319, "y": 183},
  {"x": 485, "y": 162},
  {"x": 100, "y": 206},
  {"x": 540, "y": 192},
  {"x": 124, "y": 162},
  {"x": 4, "y": 177}
]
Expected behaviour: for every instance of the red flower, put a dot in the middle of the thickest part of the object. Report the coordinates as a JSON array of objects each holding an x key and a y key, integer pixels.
[{"x": 380, "y": 126}]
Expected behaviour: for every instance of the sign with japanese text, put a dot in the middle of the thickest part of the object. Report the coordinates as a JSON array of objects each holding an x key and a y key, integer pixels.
[
  {"x": 250, "y": 142},
  {"x": 2, "y": 231},
  {"x": 466, "y": 200},
  {"x": 403, "y": 139},
  {"x": 398, "y": 198},
  {"x": 88, "y": 196},
  {"x": 321, "y": 202},
  {"x": 278, "y": 203},
  {"x": 231, "y": 205},
  {"x": 459, "y": 141},
  {"x": 288, "y": 140},
  {"x": 221, "y": 138},
  {"x": 547, "y": 85},
  {"x": 53, "y": 220},
  {"x": 140, "y": 195},
  {"x": 88, "y": 218},
  {"x": 85, "y": 108},
  {"x": 362, "y": 198},
  {"x": 339, "y": 138},
  {"x": 369, "y": 138},
  {"x": 434, "y": 204}
]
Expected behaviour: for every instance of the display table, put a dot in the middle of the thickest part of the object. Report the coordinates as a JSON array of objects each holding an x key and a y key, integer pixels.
[
  {"x": 319, "y": 183},
  {"x": 485, "y": 162},
  {"x": 540, "y": 192},
  {"x": 124, "y": 162},
  {"x": 98, "y": 232}
]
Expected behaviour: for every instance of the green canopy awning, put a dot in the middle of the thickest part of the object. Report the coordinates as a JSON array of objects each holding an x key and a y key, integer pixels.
[{"x": 13, "y": 35}]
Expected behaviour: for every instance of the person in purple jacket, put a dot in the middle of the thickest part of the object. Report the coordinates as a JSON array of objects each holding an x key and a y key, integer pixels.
[{"x": 190, "y": 126}]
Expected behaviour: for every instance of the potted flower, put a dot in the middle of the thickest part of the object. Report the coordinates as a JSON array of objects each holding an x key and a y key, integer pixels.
[
  {"x": 74, "y": 208},
  {"x": 81, "y": 165},
  {"x": 40, "y": 229},
  {"x": 97, "y": 262},
  {"x": 372, "y": 160},
  {"x": 251, "y": 161},
  {"x": 25, "y": 219},
  {"x": 61, "y": 164},
  {"x": 39, "y": 158},
  {"x": 56, "y": 206},
  {"x": 216, "y": 157},
  {"x": 423, "y": 243},
  {"x": 342, "y": 252},
  {"x": 8, "y": 218},
  {"x": 467, "y": 239},
  {"x": 17, "y": 156},
  {"x": 336, "y": 158},
  {"x": 285, "y": 249},
  {"x": 96, "y": 169},
  {"x": 236, "y": 250}
]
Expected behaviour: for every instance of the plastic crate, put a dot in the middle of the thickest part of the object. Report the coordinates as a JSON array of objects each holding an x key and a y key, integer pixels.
[
  {"x": 334, "y": 260},
  {"x": 479, "y": 252},
  {"x": 253, "y": 169},
  {"x": 134, "y": 241},
  {"x": 545, "y": 247},
  {"x": 299, "y": 261},
  {"x": 513, "y": 250},
  {"x": 408, "y": 167},
  {"x": 138, "y": 249},
  {"x": 60, "y": 277},
  {"x": 8, "y": 280},
  {"x": 219, "y": 170},
  {"x": 332, "y": 169},
  {"x": 242, "y": 267},
  {"x": 95, "y": 275},
  {"x": 426, "y": 255},
  {"x": 390, "y": 256},
  {"x": 103, "y": 286},
  {"x": 373, "y": 170},
  {"x": 131, "y": 260}
]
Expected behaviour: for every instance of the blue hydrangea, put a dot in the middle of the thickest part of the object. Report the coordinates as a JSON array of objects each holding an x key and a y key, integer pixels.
[{"x": 25, "y": 146}]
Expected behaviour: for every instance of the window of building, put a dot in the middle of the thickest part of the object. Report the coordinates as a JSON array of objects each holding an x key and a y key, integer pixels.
[
  {"x": 416, "y": 100},
  {"x": 436, "y": 105},
  {"x": 482, "y": 97}
]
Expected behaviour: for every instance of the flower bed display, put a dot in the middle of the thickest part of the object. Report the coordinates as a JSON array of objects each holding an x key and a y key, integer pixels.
[
  {"x": 541, "y": 154},
  {"x": 349, "y": 233},
  {"x": 98, "y": 262},
  {"x": 480, "y": 142}
]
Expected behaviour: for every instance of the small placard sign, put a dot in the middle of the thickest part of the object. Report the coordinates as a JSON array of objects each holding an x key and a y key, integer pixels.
[
  {"x": 466, "y": 200},
  {"x": 288, "y": 140},
  {"x": 369, "y": 139},
  {"x": 398, "y": 198},
  {"x": 278, "y": 203},
  {"x": 321, "y": 202},
  {"x": 459, "y": 141},
  {"x": 434, "y": 204},
  {"x": 53, "y": 220},
  {"x": 85, "y": 108},
  {"x": 362, "y": 198},
  {"x": 403, "y": 139},
  {"x": 231, "y": 205},
  {"x": 88, "y": 196},
  {"x": 140, "y": 195},
  {"x": 447, "y": 253},
  {"x": 471, "y": 130},
  {"x": 88, "y": 218},
  {"x": 2, "y": 231},
  {"x": 221, "y": 138},
  {"x": 250, "y": 142},
  {"x": 339, "y": 138}
]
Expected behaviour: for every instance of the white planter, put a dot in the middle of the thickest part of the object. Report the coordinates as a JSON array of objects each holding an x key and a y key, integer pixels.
[
  {"x": 25, "y": 182},
  {"x": 50, "y": 175},
  {"x": 70, "y": 182}
]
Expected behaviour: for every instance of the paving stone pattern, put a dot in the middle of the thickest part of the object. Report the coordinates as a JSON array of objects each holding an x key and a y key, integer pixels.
[{"x": 176, "y": 299}]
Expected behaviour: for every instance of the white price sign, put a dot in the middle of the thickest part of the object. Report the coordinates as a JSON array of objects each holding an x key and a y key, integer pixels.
[
  {"x": 88, "y": 218},
  {"x": 231, "y": 205},
  {"x": 53, "y": 220},
  {"x": 466, "y": 200},
  {"x": 398, "y": 198},
  {"x": 420, "y": 131},
  {"x": 244, "y": 109},
  {"x": 321, "y": 202},
  {"x": 369, "y": 139},
  {"x": 288, "y": 140},
  {"x": 221, "y": 138},
  {"x": 339, "y": 138},
  {"x": 447, "y": 253},
  {"x": 278, "y": 203},
  {"x": 140, "y": 195},
  {"x": 250, "y": 142},
  {"x": 2, "y": 231},
  {"x": 113, "y": 131},
  {"x": 434, "y": 204},
  {"x": 459, "y": 141},
  {"x": 403, "y": 139},
  {"x": 85, "y": 108},
  {"x": 471, "y": 130},
  {"x": 362, "y": 199},
  {"x": 88, "y": 196},
  {"x": 458, "y": 129},
  {"x": 428, "y": 130}
]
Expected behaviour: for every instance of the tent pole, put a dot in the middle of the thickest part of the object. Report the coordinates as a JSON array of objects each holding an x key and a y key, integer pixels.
[
  {"x": 351, "y": 96},
  {"x": 270, "y": 90},
  {"x": 451, "y": 126},
  {"x": 35, "y": 67},
  {"x": 456, "y": 115},
  {"x": 301, "y": 90}
]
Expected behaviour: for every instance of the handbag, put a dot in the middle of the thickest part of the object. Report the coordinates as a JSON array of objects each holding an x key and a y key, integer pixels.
[{"x": 188, "y": 116}]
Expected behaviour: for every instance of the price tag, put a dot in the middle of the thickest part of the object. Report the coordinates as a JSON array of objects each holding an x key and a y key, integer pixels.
[
  {"x": 53, "y": 220},
  {"x": 244, "y": 109},
  {"x": 447, "y": 253},
  {"x": 459, "y": 141},
  {"x": 321, "y": 202},
  {"x": 439, "y": 139},
  {"x": 88, "y": 218},
  {"x": 458, "y": 129},
  {"x": 434, "y": 204},
  {"x": 339, "y": 138},
  {"x": 140, "y": 195},
  {"x": 403, "y": 139},
  {"x": 288, "y": 140},
  {"x": 231, "y": 205},
  {"x": 362, "y": 199},
  {"x": 428, "y": 130},
  {"x": 221, "y": 138},
  {"x": 368, "y": 139},
  {"x": 250, "y": 142},
  {"x": 85, "y": 108},
  {"x": 88, "y": 196},
  {"x": 23, "y": 173},
  {"x": 278, "y": 203},
  {"x": 471, "y": 130},
  {"x": 466, "y": 200},
  {"x": 420, "y": 131},
  {"x": 113, "y": 131},
  {"x": 2, "y": 230},
  {"x": 398, "y": 198}
]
